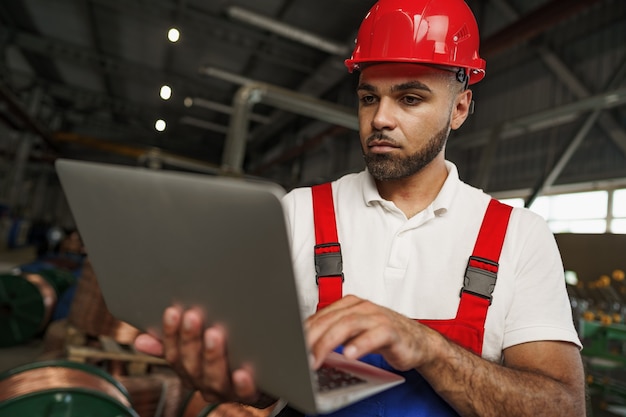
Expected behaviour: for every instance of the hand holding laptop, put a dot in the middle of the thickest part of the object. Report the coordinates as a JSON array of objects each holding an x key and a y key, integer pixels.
[{"x": 199, "y": 358}]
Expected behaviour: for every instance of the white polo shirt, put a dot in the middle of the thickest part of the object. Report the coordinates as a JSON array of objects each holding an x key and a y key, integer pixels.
[{"x": 416, "y": 266}]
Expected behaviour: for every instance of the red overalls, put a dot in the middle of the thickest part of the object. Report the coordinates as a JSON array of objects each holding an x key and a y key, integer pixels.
[{"x": 415, "y": 397}]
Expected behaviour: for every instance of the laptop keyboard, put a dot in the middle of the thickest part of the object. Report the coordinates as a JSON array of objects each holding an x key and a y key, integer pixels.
[{"x": 329, "y": 378}]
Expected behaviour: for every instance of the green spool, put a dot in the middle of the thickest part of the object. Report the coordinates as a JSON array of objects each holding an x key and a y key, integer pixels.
[
  {"x": 27, "y": 301},
  {"x": 22, "y": 310},
  {"x": 62, "y": 389},
  {"x": 61, "y": 280}
]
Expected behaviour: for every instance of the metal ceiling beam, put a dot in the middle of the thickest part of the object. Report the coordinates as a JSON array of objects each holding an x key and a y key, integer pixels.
[
  {"x": 574, "y": 144},
  {"x": 203, "y": 124},
  {"x": 543, "y": 119},
  {"x": 287, "y": 31},
  {"x": 314, "y": 85},
  {"x": 328, "y": 74},
  {"x": 532, "y": 25},
  {"x": 24, "y": 115},
  {"x": 608, "y": 124},
  {"x": 565, "y": 158},
  {"x": 227, "y": 76},
  {"x": 249, "y": 95},
  {"x": 222, "y": 108},
  {"x": 564, "y": 74}
]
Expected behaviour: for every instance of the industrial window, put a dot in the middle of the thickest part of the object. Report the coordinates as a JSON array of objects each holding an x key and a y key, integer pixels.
[
  {"x": 618, "y": 223},
  {"x": 584, "y": 212},
  {"x": 619, "y": 203},
  {"x": 577, "y": 212}
]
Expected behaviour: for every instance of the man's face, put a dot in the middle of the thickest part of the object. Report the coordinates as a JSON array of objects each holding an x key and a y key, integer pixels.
[{"x": 406, "y": 112}]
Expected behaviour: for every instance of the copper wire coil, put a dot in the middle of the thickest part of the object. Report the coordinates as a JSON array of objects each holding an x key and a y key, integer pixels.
[
  {"x": 49, "y": 378},
  {"x": 48, "y": 296},
  {"x": 145, "y": 392},
  {"x": 157, "y": 394}
]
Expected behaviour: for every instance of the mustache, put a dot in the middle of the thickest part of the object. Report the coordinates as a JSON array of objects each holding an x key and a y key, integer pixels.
[{"x": 379, "y": 136}]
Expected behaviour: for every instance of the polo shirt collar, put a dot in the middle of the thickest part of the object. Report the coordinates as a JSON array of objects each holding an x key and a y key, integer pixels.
[{"x": 439, "y": 205}]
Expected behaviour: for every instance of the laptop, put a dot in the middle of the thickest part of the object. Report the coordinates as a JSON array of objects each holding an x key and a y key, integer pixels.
[{"x": 156, "y": 238}]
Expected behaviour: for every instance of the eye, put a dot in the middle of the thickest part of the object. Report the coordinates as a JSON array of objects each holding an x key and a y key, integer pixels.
[
  {"x": 367, "y": 99},
  {"x": 411, "y": 100}
]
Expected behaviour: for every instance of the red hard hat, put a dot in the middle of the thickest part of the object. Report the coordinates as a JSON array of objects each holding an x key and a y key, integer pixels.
[{"x": 439, "y": 32}]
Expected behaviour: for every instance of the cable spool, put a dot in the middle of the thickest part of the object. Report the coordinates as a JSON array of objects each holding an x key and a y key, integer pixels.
[
  {"x": 158, "y": 394},
  {"x": 148, "y": 394},
  {"x": 62, "y": 388},
  {"x": 27, "y": 301}
]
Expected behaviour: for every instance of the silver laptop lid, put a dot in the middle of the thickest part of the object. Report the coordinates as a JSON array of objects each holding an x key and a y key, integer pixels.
[{"x": 153, "y": 240}]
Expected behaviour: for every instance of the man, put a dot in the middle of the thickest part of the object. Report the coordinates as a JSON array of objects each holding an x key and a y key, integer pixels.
[{"x": 407, "y": 227}]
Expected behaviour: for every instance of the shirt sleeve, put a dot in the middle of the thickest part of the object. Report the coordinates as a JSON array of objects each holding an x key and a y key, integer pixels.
[{"x": 540, "y": 308}]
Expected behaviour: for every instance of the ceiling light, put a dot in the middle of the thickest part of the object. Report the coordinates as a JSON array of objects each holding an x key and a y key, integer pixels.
[
  {"x": 173, "y": 35},
  {"x": 160, "y": 125},
  {"x": 166, "y": 92}
]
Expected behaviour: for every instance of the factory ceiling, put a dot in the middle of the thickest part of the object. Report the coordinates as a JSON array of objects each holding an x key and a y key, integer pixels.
[{"x": 259, "y": 87}]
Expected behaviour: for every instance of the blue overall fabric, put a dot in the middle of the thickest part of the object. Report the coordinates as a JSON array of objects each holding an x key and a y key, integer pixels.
[{"x": 413, "y": 398}]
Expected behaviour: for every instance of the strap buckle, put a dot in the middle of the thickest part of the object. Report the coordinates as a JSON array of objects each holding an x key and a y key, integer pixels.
[
  {"x": 479, "y": 281},
  {"x": 328, "y": 264}
]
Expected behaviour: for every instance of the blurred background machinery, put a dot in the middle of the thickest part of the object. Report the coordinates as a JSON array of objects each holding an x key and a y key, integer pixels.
[{"x": 595, "y": 265}]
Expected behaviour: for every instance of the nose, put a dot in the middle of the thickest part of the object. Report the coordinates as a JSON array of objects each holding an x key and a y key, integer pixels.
[{"x": 384, "y": 117}]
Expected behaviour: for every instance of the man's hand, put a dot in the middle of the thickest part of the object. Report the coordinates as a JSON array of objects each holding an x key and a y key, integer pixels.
[
  {"x": 364, "y": 327},
  {"x": 199, "y": 357}
]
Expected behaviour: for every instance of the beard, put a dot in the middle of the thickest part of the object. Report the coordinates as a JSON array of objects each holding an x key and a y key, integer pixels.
[{"x": 386, "y": 167}]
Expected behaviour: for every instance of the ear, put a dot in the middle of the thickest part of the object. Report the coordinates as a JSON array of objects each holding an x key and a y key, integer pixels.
[{"x": 461, "y": 109}]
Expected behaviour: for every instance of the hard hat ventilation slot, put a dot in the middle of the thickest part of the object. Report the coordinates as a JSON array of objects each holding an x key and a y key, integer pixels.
[{"x": 461, "y": 35}]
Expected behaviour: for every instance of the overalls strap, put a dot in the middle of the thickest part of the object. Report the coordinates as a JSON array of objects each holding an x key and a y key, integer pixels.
[
  {"x": 468, "y": 327},
  {"x": 328, "y": 263}
]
